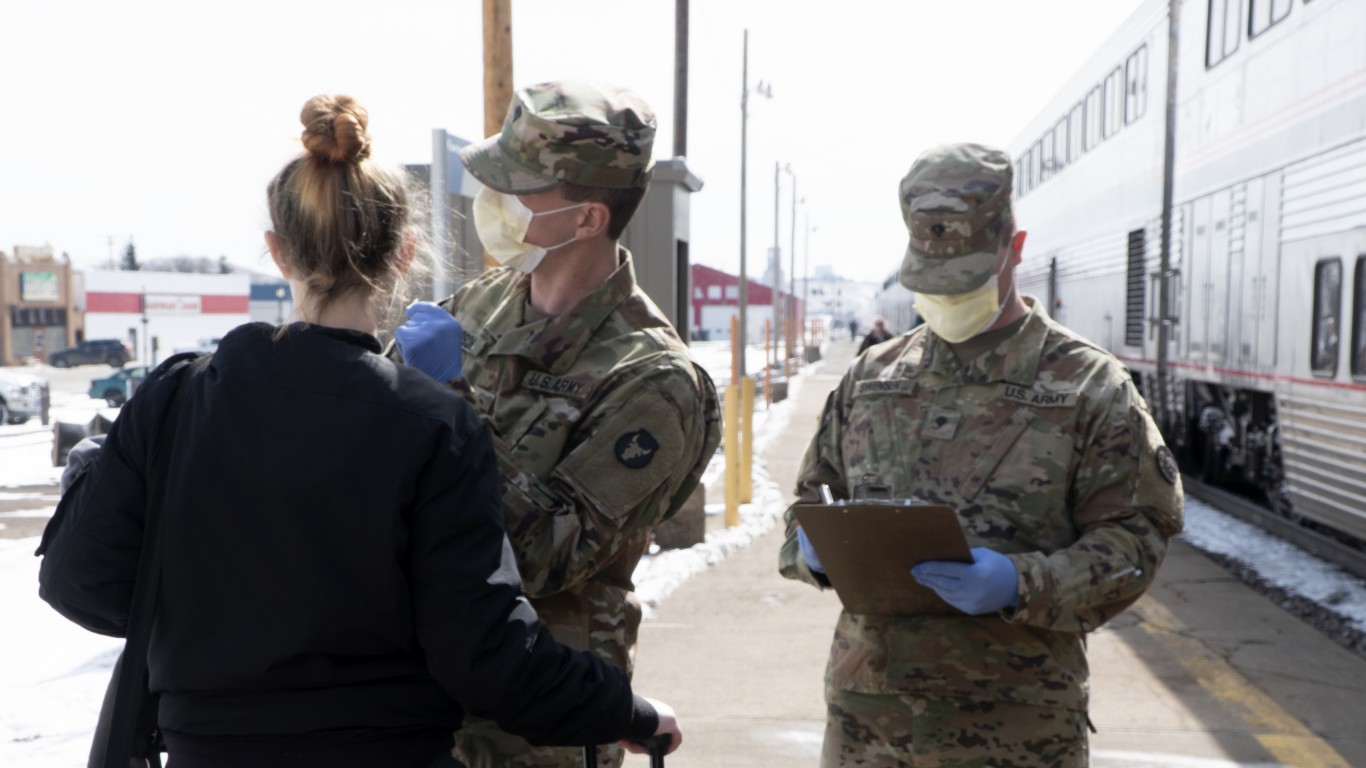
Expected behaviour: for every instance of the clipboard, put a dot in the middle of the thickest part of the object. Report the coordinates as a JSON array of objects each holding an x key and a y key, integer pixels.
[{"x": 868, "y": 551}]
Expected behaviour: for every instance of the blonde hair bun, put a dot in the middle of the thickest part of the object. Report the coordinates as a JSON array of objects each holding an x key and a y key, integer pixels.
[{"x": 335, "y": 129}]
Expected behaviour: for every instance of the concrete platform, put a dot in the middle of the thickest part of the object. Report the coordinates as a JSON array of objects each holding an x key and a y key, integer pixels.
[{"x": 1201, "y": 673}]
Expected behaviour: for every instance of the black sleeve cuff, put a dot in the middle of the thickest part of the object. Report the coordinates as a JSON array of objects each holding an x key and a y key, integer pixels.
[{"x": 644, "y": 720}]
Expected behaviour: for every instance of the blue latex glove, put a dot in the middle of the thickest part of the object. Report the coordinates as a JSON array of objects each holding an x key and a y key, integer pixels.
[
  {"x": 809, "y": 552},
  {"x": 985, "y": 585},
  {"x": 81, "y": 456},
  {"x": 430, "y": 340}
]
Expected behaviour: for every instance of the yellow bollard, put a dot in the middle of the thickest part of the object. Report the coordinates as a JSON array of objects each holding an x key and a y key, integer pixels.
[
  {"x": 746, "y": 439},
  {"x": 733, "y": 450}
]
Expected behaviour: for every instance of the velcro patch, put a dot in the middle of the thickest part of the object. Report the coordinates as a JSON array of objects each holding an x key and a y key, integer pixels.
[
  {"x": 559, "y": 386},
  {"x": 637, "y": 449},
  {"x": 1166, "y": 464},
  {"x": 884, "y": 387},
  {"x": 1037, "y": 398}
]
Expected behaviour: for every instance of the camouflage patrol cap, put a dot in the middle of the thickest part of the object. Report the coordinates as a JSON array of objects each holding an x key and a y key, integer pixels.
[
  {"x": 956, "y": 203},
  {"x": 567, "y": 132}
]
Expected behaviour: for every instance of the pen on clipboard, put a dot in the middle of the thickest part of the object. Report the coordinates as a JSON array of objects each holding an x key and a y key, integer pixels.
[{"x": 826, "y": 498}]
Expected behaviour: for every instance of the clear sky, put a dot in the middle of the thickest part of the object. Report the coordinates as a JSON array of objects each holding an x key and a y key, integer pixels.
[{"x": 162, "y": 120}]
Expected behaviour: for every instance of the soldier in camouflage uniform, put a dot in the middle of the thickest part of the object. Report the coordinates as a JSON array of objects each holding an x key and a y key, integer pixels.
[
  {"x": 1040, "y": 441},
  {"x": 602, "y": 422}
]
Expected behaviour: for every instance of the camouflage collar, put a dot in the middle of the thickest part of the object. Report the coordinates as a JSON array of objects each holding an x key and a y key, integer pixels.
[
  {"x": 1018, "y": 365},
  {"x": 553, "y": 344}
]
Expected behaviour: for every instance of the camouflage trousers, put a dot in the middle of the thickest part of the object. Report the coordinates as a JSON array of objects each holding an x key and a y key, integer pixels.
[
  {"x": 481, "y": 744},
  {"x": 901, "y": 731}
]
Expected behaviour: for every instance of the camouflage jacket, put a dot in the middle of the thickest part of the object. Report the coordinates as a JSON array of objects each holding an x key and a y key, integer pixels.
[
  {"x": 1049, "y": 454},
  {"x": 602, "y": 424}
]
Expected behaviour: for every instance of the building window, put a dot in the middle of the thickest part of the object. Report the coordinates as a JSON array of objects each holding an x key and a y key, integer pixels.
[
  {"x": 1225, "y": 30},
  {"x": 1076, "y": 137},
  {"x": 1020, "y": 164},
  {"x": 1060, "y": 145},
  {"x": 733, "y": 292},
  {"x": 1114, "y": 102},
  {"x": 1093, "y": 119},
  {"x": 1136, "y": 85},
  {"x": 1036, "y": 164},
  {"x": 1265, "y": 14},
  {"x": 1323, "y": 351},
  {"x": 1359, "y": 320},
  {"x": 713, "y": 291}
]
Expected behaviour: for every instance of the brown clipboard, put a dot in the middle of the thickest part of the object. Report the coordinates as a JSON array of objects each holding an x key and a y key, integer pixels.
[{"x": 868, "y": 551}]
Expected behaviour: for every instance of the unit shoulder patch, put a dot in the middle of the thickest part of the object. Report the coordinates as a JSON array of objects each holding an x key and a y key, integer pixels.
[
  {"x": 1166, "y": 464},
  {"x": 636, "y": 449}
]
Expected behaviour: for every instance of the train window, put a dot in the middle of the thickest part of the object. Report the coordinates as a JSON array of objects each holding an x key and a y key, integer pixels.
[
  {"x": 1136, "y": 85},
  {"x": 1046, "y": 165},
  {"x": 1020, "y": 175},
  {"x": 1265, "y": 14},
  {"x": 1036, "y": 164},
  {"x": 1359, "y": 320},
  {"x": 1323, "y": 352},
  {"x": 1060, "y": 145},
  {"x": 1225, "y": 30},
  {"x": 1114, "y": 102},
  {"x": 1026, "y": 173},
  {"x": 1076, "y": 137},
  {"x": 1093, "y": 112}
]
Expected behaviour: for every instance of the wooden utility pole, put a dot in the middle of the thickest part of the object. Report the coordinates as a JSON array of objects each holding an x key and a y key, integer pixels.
[{"x": 497, "y": 63}]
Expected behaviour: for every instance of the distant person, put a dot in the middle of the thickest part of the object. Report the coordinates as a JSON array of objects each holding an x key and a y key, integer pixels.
[
  {"x": 1061, "y": 481},
  {"x": 602, "y": 424},
  {"x": 853, "y": 330},
  {"x": 337, "y": 587},
  {"x": 878, "y": 335}
]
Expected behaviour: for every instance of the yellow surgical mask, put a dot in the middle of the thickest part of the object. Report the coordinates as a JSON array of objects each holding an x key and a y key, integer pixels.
[{"x": 958, "y": 317}]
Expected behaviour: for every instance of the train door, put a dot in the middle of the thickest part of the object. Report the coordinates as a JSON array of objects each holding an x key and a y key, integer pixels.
[
  {"x": 1319, "y": 330},
  {"x": 1251, "y": 262},
  {"x": 1262, "y": 277},
  {"x": 1197, "y": 281},
  {"x": 1220, "y": 262}
]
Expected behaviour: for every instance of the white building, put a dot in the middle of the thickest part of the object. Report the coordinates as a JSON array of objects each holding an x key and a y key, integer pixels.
[{"x": 159, "y": 311}]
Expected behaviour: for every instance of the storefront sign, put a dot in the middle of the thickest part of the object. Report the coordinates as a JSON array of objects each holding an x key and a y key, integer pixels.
[
  {"x": 173, "y": 304},
  {"x": 38, "y": 286}
]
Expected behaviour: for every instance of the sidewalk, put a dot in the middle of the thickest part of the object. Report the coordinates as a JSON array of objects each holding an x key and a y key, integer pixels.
[{"x": 738, "y": 650}]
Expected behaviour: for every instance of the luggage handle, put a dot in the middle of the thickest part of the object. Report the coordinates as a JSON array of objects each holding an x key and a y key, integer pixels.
[{"x": 655, "y": 745}]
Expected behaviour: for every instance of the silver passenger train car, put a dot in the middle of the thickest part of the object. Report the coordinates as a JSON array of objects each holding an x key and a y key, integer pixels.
[{"x": 1262, "y": 384}]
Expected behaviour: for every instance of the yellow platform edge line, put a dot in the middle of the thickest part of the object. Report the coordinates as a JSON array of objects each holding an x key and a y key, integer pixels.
[{"x": 1281, "y": 734}]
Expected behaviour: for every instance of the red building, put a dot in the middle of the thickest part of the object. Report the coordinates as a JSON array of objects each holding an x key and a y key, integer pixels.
[{"x": 716, "y": 298}]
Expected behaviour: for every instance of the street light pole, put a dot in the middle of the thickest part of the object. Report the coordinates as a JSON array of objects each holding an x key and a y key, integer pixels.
[
  {"x": 806, "y": 281},
  {"x": 739, "y": 365},
  {"x": 790, "y": 317},
  {"x": 777, "y": 262},
  {"x": 765, "y": 90}
]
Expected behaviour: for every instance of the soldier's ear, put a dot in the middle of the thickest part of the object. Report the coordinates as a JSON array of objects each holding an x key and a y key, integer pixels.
[{"x": 596, "y": 219}]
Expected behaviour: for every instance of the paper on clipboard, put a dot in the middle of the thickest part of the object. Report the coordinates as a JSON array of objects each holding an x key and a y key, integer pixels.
[{"x": 868, "y": 551}]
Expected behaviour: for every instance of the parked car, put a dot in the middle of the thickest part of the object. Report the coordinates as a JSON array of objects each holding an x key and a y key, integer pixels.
[
  {"x": 114, "y": 352},
  {"x": 117, "y": 387},
  {"x": 21, "y": 396}
]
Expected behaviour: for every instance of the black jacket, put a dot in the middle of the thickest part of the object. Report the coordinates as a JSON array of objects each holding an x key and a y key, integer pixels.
[{"x": 334, "y": 556}]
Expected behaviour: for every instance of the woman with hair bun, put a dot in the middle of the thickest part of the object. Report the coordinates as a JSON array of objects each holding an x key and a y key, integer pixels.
[{"x": 336, "y": 587}]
